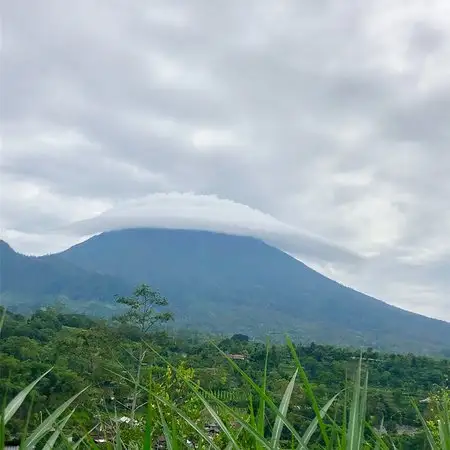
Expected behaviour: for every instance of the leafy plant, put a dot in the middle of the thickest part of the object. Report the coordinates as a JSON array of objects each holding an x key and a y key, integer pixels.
[
  {"x": 143, "y": 308},
  {"x": 171, "y": 407},
  {"x": 437, "y": 427},
  {"x": 30, "y": 440}
]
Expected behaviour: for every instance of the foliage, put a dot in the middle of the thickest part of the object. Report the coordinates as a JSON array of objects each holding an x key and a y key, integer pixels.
[
  {"x": 437, "y": 426},
  {"x": 217, "y": 283},
  {"x": 28, "y": 282},
  {"x": 142, "y": 308},
  {"x": 277, "y": 396}
]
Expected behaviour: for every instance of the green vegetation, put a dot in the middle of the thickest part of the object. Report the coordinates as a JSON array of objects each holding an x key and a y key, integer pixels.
[
  {"x": 68, "y": 377},
  {"x": 142, "y": 311},
  {"x": 28, "y": 282},
  {"x": 217, "y": 284}
]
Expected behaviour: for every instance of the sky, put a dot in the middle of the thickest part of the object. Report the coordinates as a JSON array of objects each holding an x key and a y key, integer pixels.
[{"x": 321, "y": 126}]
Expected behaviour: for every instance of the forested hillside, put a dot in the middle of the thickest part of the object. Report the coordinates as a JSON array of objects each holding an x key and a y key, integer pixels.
[
  {"x": 216, "y": 283},
  {"x": 28, "y": 282},
  {"x": 229, "y": 284},
  {"x": 87, "y": 352}
]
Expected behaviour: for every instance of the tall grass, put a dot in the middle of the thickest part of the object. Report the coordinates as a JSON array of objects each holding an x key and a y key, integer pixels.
[
  {"x": 262, "y": 427},
  {"x": 437, "y": 431}
]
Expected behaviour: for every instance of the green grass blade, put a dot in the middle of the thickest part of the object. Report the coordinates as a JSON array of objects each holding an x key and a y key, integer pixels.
[
  {"x": 47, "y": 424},
  {"x": 315, "y": 422},
  {"x": 230, "y": 444},
  {"x": 53, "y": 438},
  {"x": 334, "y": 436},
  {"x": 218, "y": 420},
  {"x": 444, "y": 422},
  {"x": 27, "y": 423},
  {"x": 363, "y": 409},
  {"x": 2, "y": 431},
  {"x": 343, "y": 428},
  {"x": 284, "y": 405},
  {"x": 309, "y": 391},
  {"x": 117, "y": 434},
  {"x": 17, "y": 401},
  {"x": 175, "y": 434},
  {"x": 2, "y": 424},
  {"x": 379, "y": 442},
  {"x": 261, "y": 413},
  {"x": 166, "y": 431},
  {"x": 251, "y": 429},
  {"x": 186, "y": 418},
  {"x": 91, "y": 443},
  {"x": 429, "y": 435},
  {"x": 353, "y": 432},
  {"x": 377, "y": 445},
  {"x": 83, "y": 438},
  {"x": 444, "y": 434},
  {"x": 118, "y": 439},
  {"x": 263, "y": 394},
  {"x": 251, "y": 409},
  {"x": 251, "y": 383},
  {"x": 150, "y": 416}
]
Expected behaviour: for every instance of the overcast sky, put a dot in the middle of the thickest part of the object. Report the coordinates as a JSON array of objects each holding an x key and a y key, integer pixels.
[{"x": 322, "y": 126}]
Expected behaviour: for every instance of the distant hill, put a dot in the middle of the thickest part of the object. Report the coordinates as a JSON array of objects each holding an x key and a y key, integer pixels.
[
  {"x": 236, "y": 284},
  {"x": 27, "y": 282},
  {"x": 227, "y": 284}
]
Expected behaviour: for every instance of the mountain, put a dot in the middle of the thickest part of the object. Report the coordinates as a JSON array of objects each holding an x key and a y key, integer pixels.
[
  {"x": 27, "y": 282},
  {"x": 219, "y": 283},
  {"x": 232, "y": 284}
]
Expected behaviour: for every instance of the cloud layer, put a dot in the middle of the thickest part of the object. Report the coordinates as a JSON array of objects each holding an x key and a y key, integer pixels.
[
  {"x": 330, "y": 117},
  {"x": 207, "y": 212}
]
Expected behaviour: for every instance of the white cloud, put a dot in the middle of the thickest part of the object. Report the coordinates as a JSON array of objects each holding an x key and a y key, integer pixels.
[{"x": 207, "y": 212}]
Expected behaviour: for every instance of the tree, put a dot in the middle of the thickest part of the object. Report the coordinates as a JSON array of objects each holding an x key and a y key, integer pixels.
[
  {"x": 143, "y": 308},
  {"x": 143, "y": 312},
  {"x": 240, "y": 337}
]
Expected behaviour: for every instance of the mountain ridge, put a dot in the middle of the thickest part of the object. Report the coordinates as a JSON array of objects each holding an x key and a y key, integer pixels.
[
  {"x": 218, "y": 282},
  {"x": 249, "y": 284},
  {"x": 28, "y": 282}
]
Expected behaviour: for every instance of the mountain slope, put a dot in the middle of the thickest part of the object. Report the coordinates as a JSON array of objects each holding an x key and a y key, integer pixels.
[
  {"x": 27, "y": 282},
  {"x": 239, "y": 284}
]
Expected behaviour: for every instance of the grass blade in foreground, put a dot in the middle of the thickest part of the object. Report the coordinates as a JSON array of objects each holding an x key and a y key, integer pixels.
[
  {"x": 83, "y": 438},
  {"x": 52, "y": 440},
  {"x": 263, "y": 394},
  {"x": 218, "y": 420},
  {"x": 25, "y": 429},
  {"x": 15, "y": 403},
  {"x": 284, "y": 405},
  {"x": 2, "y": 424},
  {"x": 167, "y": 434},
  {"x": 150, "y": 416},
  {"x": 353, "y": 431},
  {"x": 47, "y": 424},
  {"x": 313, "y": 425},
  {"x": 309, "y": 391},
  {"x": 192, "y": 424},
  {"x": 363, "y": 408},
  {"x": 261, "y": 414},
  {"x": 431, "y": 442},
  {"x": 356, "y": 425},
  {"x": 251, "y": 383},
  {"x": 444, "y": 422},
  {"x": 441, "y": 441},
  {"x": 2, "y": 432}
]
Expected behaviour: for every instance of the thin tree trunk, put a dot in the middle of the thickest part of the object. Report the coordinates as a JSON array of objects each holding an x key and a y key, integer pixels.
[{"x": 137, "y": 382}]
